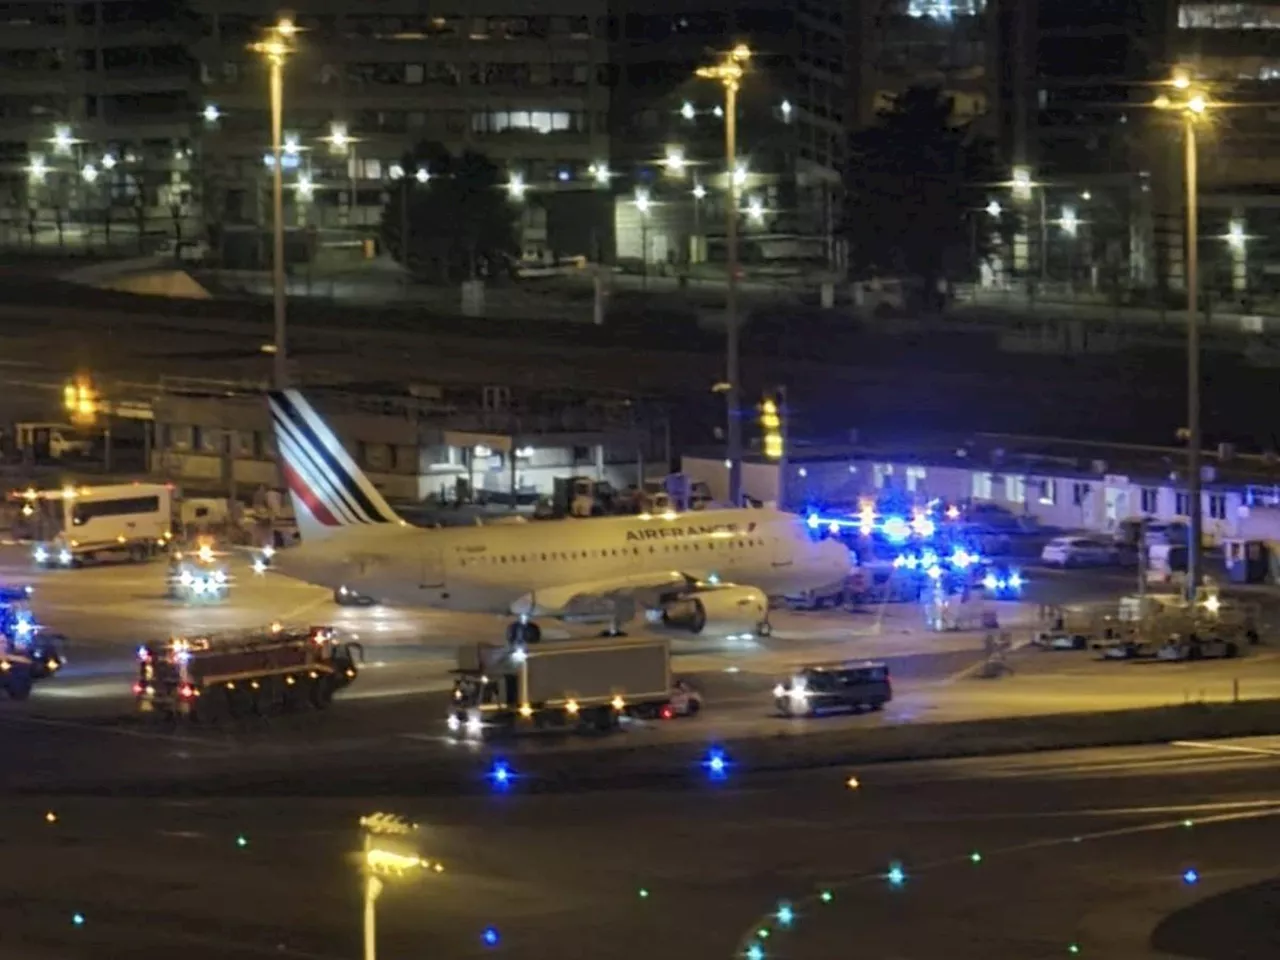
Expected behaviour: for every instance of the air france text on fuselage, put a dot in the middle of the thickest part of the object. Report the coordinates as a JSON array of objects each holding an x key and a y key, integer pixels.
[{"x": 677, "y": 533}]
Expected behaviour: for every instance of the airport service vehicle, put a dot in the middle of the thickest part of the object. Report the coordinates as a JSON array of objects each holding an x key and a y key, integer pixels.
[
  {"x": 1197, "y": 648},
  {"x": 28, "y": 652},
  {"x": 78, "y": 525},
  {"x": 275, "y": 670},
  {"x": 570, "y": 684},
  {"x": 686, "y": 701},
  {"x": 198, "y": 573},
  {"x": 1079, "y": 552},
  {"x": 705, "y": 568},
  {"x": 1003, "y": 582},
  {"x": 1060, "y": 640},
  {"x": 827, "y": 687}
]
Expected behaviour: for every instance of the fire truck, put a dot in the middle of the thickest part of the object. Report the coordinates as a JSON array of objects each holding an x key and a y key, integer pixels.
[{"x": 256, "y": 673}]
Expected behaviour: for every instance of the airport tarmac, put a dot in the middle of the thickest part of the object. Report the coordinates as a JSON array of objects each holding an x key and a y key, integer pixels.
[
  {"x": 1144, "y": 853},
  {"x": 397, "y": 706}
]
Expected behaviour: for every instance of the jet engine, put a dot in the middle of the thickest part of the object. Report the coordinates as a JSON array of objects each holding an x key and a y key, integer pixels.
[{"x": 728, "y": 610}]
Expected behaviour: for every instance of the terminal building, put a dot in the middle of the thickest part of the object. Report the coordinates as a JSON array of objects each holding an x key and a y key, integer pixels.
[
  {"x": 429, "y": 445},
  {"x": 1092, "y": 487}
]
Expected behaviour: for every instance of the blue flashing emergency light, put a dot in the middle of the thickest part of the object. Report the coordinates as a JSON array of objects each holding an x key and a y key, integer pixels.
[
  {"x": 896, "y": 530},
  {"x": 814, "y": 521},
  {"x": 991, "y": 582},
  {"x": 962, "y": 558},
  {"x": 755, "y": 952},
  {"x": 923, "y": 526},
  {"x": 1191, "y": 876},
  {"x": 500, "y": 774},
  {"x": 491, "y": 937},
  {"x": 716, "y": 764},
  {"x": 77, "y": 919},
  {"x": 786, "y": 915},
  {"x": 896, "y": 875}
]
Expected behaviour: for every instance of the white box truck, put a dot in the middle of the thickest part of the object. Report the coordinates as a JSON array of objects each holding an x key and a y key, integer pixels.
[{"x": 569, "y": 684}]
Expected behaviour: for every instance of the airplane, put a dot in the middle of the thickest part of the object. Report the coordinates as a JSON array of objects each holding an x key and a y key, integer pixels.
[{"x": 709, "y": 571}]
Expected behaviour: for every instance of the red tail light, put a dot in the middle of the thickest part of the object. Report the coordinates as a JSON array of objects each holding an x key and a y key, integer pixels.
[
  {"x": 667, "y": 712},
  {"x": 137, "y": 689},
  {"x": 186, "y": 691}
]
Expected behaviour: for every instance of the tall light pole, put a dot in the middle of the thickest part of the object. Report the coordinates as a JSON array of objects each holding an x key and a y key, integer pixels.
[
  {"x": 276, "y": 48},
  {"x": 1192, "y": 105},
  {"x": 643, "y": 203},
  {"x": 729, "y": 72}
]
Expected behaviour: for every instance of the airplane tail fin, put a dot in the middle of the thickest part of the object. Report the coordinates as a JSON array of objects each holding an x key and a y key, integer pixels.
[{"x": 326, "y": 487}]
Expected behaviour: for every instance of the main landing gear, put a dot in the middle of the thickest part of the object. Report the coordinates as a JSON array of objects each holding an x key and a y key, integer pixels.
[{"x": 521, "y": 633}]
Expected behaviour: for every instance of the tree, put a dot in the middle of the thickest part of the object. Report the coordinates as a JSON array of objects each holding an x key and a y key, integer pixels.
[
  {"x": 917, "y": 187},
  {"x": 460, "y": 221}
]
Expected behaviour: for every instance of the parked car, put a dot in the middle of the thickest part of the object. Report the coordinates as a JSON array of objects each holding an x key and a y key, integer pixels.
[{"x": 1078, "y": 551}]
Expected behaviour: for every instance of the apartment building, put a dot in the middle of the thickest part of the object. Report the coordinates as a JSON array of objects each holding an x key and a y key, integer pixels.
[
  {"x": 523, "y": 83},
  {"x": 98, "y": 123}
]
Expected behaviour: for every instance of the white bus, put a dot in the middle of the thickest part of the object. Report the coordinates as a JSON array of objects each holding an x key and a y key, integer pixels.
[{"x": 76, "y": 525}]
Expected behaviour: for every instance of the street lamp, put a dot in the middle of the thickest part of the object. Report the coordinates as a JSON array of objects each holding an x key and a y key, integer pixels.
[
  {"x": 1023, "y": 187},
  {"x": 643, "y": 205},
  {"x": 729, "y": 72},
  {"x": 1192, "y": 105},
  {"x": 1069, "y": 222},
  {"x": 674, "y": 162},
  {"x": 276, "y": 47},
  {"x": 342, "y": 144},
  {"x": 379, "y": 860},
  {"x": 516, "y": 186},
  {"x": 62, "y": 139}
]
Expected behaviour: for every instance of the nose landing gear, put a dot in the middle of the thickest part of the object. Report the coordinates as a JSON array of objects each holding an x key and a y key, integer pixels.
[{"x": 521, "y": 633}]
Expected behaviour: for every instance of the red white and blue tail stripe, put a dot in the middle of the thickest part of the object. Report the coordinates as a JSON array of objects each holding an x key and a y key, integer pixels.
[{"x": 328, "y": 490}]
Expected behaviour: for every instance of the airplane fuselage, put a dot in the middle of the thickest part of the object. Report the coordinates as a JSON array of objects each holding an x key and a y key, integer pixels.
[{"x": 491, "y": 569}]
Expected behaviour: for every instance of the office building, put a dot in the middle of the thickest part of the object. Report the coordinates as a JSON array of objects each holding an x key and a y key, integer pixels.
[
  {"x": 670, "y": 177},
  {"x": 898, "y": 44},
  {"x": 523, "y": 83},
  {"x": 1232, "y": 47},
  {"x": 1074, "y": 119},
  {"x": 98, "y": 114}
]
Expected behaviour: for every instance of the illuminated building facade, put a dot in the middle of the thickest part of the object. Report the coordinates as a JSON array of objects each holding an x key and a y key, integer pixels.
[
  {"x": 1235, "y": 48},
  {"x": 670, "y": 178},
  {"x": 524, "y": 84},
  {"x": 98, "y": 124}
]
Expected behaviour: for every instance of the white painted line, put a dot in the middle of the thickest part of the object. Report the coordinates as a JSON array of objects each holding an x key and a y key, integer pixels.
[{"x": 1226, "y": 748}]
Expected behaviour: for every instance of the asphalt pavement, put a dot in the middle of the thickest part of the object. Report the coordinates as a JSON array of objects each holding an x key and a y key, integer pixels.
[
  {"x": 81, "y": 728},
  {"x": 1085, "y": 853}
]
